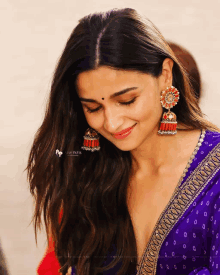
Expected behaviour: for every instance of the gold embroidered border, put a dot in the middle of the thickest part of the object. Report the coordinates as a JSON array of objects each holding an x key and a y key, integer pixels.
[{"x": 178, "y": 204}]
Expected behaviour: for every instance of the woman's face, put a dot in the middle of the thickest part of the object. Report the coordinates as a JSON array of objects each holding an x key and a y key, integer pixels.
[{"x": 103, "y": 93}]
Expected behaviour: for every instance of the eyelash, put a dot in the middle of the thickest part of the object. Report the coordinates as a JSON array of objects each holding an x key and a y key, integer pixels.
[{"x": 122, "y": 103}]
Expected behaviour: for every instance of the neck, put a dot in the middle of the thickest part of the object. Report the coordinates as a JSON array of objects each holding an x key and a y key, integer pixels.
[{"x": 159, "y": 151}]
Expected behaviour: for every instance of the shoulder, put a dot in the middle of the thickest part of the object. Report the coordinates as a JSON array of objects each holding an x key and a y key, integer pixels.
[
  {"x": 213, "y": 138},
  {"x": 209, "y": 142},
  {"x": 210, "y": 147}
]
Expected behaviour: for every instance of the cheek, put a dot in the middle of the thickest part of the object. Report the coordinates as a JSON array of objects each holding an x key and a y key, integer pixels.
[
  {"x": 93, "y": 120},
  {"x": 145, "y": 109}
]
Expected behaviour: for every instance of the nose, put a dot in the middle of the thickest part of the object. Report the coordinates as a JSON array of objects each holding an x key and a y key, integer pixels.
[{"x": 112, "y": 121}]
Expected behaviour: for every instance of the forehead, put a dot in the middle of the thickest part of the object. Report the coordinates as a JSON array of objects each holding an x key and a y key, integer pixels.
[{"x": 108, "y": 79}]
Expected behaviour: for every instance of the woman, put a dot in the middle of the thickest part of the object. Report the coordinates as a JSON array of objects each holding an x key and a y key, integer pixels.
[{"x": 142, "y": 195}]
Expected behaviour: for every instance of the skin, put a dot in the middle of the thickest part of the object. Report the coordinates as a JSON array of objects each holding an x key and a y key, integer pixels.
[{"x": 144, "y": 143}]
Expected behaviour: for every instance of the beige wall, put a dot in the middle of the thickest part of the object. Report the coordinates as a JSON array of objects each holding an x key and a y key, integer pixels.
[{"x": 33, "y": 34}]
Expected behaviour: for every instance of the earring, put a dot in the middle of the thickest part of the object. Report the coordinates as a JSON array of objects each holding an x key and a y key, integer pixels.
[
  {"x": 169, "y": 99},
  {"x": 91, "y": 140}
]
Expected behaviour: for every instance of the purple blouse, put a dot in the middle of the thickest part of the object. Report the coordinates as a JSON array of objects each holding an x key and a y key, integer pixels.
[{"x": 186, "y": 237}]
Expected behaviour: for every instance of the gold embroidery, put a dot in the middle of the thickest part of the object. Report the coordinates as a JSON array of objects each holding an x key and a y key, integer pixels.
[
  {"x": 193, "y": 155},
  {"x": 180, "y": 201}
]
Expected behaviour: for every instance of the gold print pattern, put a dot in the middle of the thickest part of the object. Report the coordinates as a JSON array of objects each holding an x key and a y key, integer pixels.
[{"x": 182, "y": 198}]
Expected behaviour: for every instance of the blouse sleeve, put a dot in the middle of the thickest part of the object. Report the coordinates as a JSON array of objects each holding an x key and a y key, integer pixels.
[
  {"x": 49, "y": 264},
  {"x": 203, "y": 271},
  {"x": 214, "y": 261},
  {"x": 214, "y": 248}
]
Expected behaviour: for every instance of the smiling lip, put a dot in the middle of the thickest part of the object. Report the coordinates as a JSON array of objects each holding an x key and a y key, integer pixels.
[{"x": 124, "y": 131}]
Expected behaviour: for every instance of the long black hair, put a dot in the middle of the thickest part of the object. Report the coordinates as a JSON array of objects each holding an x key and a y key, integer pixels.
[{"x": 91, "y": 188}]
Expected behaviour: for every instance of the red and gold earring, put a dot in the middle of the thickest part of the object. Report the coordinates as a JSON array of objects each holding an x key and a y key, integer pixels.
[
  {"x": 169, "y": 99},
  {"x": 91, "y": 140}
]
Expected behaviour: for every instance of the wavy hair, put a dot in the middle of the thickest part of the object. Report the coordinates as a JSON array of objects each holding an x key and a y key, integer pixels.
[
  {"x": 188, "y": 62},
  {"x": 91, "y": 188}
]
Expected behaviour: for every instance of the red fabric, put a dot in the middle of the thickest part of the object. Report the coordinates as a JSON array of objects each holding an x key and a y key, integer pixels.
[{"x": 49, "y": 265}]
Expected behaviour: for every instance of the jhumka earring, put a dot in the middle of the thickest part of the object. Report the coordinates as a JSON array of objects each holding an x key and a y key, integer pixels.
[
  {"x": 91, "y": 140},
  {"x": 169, "y": 99}
]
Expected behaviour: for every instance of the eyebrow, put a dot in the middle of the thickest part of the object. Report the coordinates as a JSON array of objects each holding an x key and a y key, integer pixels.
[{"x": 111, "y": 96}]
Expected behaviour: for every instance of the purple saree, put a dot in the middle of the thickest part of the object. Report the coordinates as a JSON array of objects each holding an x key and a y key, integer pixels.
[{"x": 186, "y": 238}]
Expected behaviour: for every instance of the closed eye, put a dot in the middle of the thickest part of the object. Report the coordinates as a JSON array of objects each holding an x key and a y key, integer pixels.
[{"x": 122, "y": 103}]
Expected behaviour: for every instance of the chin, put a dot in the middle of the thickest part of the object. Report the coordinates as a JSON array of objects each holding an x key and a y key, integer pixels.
[{"x": 125, "y": 147}]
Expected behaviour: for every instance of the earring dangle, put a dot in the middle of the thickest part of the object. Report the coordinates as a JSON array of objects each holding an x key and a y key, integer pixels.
[
  {"x": 169, "y": 99},
  {"x": 91, "y": 140}
]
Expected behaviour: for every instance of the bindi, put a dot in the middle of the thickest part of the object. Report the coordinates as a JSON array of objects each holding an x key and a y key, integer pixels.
[{"x": 103, "y": 98}]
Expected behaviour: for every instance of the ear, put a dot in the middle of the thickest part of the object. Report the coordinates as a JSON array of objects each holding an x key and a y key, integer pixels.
[{"x": 167, "y": 75}]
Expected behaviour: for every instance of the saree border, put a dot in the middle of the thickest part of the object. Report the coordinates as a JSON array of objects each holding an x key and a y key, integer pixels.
[{"x": 177, "y": 206}]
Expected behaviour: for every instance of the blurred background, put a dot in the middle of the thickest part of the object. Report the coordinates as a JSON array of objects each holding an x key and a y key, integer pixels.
[{"x": 33, "y": 35}]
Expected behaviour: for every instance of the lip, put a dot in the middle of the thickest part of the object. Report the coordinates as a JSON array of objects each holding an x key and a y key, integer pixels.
[{"x": 124, "y": 133}]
